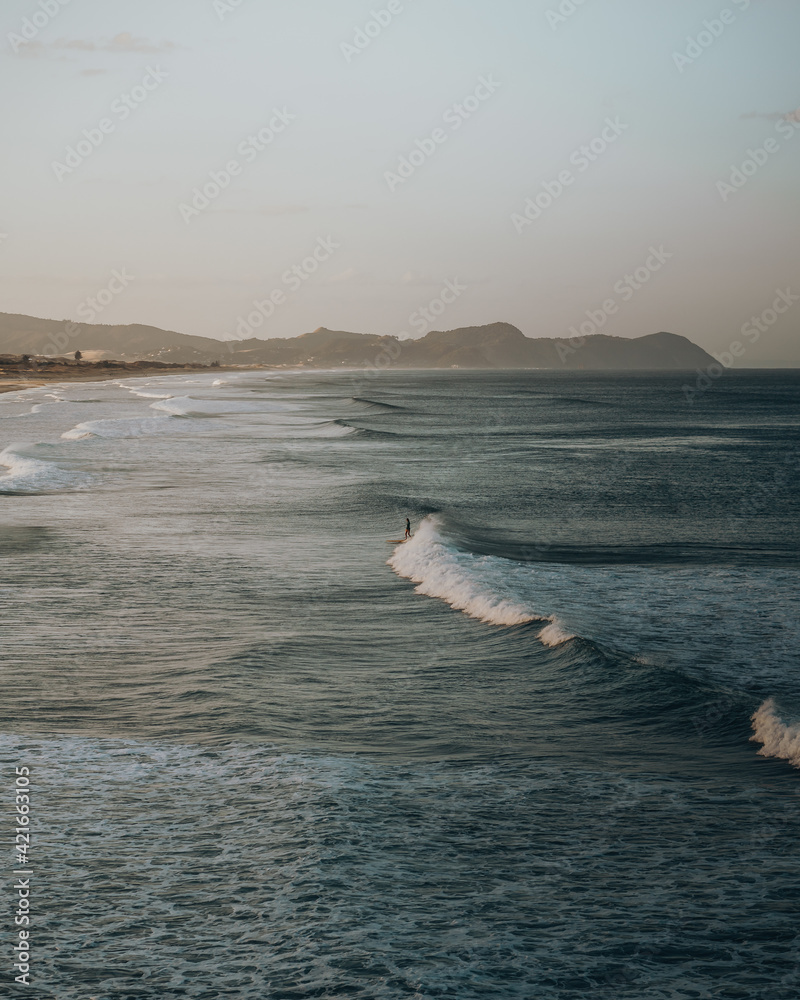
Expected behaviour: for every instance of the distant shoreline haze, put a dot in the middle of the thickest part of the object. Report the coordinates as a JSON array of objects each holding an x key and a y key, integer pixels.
[{"x": 493, "y": 346}]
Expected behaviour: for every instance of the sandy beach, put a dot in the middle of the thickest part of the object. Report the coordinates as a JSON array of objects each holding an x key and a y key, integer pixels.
[{"x": 30, "y": 379}]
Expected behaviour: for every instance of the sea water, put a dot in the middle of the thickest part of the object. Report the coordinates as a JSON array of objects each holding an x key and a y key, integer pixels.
[{"x": 547, "y": 748}]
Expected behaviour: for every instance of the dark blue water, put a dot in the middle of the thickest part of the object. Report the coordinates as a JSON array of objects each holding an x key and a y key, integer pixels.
[{"x": 549, "y": 751}]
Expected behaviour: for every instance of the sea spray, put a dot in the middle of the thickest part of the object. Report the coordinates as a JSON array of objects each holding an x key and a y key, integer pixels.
[
  {"x": 779, "y": 739},
  {"x": 28, "y": 475},
  {"x": 468, "y": 582}
]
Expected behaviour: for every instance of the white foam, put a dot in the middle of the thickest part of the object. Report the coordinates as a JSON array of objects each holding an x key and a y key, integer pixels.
[
  {"x": 778, "y": 738},
  {"x": 129, "y": 386},
  {"x": 188, "y": 406},
  {"x": 555, "y": 634},
  {"x": 120, "y": 428},
  {"x": 77, "y": 432},
  {"x": 36, "y": 408},
  {"x": 32, "y": 475},
  {"x": 477, "y": 585},
  {"x": 149, "y": 395},
  {"x": 26, "y": 413},
  {"x": 726, "y": 618}
]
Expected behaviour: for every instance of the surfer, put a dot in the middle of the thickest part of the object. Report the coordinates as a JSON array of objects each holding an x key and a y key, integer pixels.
[{"x": 408, "y": 528}]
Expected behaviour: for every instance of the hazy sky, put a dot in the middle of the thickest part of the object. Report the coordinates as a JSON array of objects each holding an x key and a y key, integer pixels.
[{"x": 180, "y": 86}]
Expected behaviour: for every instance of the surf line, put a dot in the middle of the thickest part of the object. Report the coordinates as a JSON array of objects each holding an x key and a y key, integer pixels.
[{"x": 455, "y": 578}]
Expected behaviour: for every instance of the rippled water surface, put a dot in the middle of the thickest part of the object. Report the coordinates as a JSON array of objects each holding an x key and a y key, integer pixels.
[{"x": 548, "y": 748}]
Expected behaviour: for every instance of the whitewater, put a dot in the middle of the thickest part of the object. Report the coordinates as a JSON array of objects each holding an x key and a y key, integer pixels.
[{"x": 549, "y": 746}]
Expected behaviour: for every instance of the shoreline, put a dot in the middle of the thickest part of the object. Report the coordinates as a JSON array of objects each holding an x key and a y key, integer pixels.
[{"x": 38, "y": 380}]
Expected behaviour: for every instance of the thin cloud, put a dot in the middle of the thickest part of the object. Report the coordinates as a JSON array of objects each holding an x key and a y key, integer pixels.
[
  {"x": 775, "y": 116},
  {"x": 344, "y": 275},
  {"x": 265, "y": 210},
  {"x": 123, "y": 42},
  {"x": 32, "y": 49},
  {"x": 414, "y": 278}
]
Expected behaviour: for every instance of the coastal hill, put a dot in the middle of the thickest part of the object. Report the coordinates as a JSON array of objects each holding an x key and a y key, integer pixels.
[{"x": 496, "y": 345}]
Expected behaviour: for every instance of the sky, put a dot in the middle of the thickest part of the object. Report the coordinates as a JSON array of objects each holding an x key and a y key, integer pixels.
[{"x": 268, "y": 167}]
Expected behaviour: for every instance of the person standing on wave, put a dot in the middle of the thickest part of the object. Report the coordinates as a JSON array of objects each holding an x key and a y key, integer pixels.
[{"x": 408, "y": 528}]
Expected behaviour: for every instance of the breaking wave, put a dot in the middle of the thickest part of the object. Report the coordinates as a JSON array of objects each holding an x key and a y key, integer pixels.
[
  {"x": 333, "y": 429},
  {"x": 124, "y": 428},
  {"x": 30, "y": 475},
  {"x": 475, "y": 584},
  {"x": 189, "y": 406},
  {"x": 374, "y": 404},
  {"x": 778, "y": 738}
]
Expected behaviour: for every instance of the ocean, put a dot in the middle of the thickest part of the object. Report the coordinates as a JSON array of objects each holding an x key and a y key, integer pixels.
[{"x": 546, "y": 749}]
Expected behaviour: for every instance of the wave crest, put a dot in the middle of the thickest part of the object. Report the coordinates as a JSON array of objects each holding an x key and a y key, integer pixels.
[
  {"x": 471, "y": 583},
  {"x": 191, "y": 406},
  {"x": 120, "y": 428},
  {"x": 778, "y": 738},
  {"x": 29, "y": 475}
]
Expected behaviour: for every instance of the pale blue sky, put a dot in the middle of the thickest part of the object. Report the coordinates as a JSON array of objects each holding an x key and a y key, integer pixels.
[{"x": 324, "y": 175}]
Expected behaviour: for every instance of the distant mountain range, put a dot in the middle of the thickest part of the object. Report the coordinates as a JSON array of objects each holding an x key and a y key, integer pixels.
[{"x": 497, "y": 345}]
